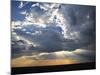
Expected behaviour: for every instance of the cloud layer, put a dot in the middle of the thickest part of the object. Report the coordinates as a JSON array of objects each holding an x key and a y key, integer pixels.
[
  {"x": 52, "y": 31},
  {"x": 54, "y": 58}
]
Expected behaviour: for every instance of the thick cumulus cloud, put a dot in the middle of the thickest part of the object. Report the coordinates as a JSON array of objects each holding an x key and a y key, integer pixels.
[{"x": 48, "y": 27}]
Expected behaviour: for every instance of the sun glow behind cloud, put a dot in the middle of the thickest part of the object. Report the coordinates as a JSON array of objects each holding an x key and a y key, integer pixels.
[
  {"x": 53, "y": 58},
  {"x": 51, "y": 34}
]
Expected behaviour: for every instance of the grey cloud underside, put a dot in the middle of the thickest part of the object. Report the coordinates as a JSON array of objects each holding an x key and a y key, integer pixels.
[
  {"x": 83, "y": 56},
  {"x": 80, "y": 19}
]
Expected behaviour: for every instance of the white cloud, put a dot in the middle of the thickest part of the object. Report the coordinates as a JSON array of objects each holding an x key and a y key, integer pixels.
[
  {"x": 53, "y": 5},
  {"x": 29, "y": 17},
  {"x": 36, "y": 4},
  {"x": 15, "y": 37},
  {"x": 44, "y": 8},
  {"x": 16, "y": 24},
  {"x": 22, "y": 4},
  {"x": 28, "y": 32},
  {"x": 61, "y": 22},
  {"x": 54, "y": 16},
  {"x": 39, "y": 5},
  {"x": 36, "y": 32},
  {"x": 46, "y": 5},
  {"x": 23, "y": 12},
  {"x": 23, "y": 29},
  {"x": 24, "y": 23},
  {"x": 35, "y": 21}
]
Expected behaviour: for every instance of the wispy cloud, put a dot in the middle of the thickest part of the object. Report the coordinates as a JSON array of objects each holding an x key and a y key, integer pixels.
[{"x": 22, "y": 4}]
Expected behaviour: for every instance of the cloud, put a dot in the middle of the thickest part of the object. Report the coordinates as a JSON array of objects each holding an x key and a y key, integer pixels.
[
  {"x": 54, "y": 16},
  {"x": 37, "y": 4},
  {"x": 59, "y": 27},
  {"x": 15, "y": 24},
  {"x": 22, "y": 4},
  {"x": 23, "y": 12},
  {"x": 78, "y": 54},
  {"x": 54, "y": 58},
  {"x": 47, "y": 34},
  {"x": 42, "y": 7}
]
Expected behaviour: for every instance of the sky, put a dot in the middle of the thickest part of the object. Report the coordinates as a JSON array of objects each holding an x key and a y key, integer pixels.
[{"x": 42, "y": 31}]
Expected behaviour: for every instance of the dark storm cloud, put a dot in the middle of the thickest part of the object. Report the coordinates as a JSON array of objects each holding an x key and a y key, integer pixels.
[{"x": 81, "y": 20}]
